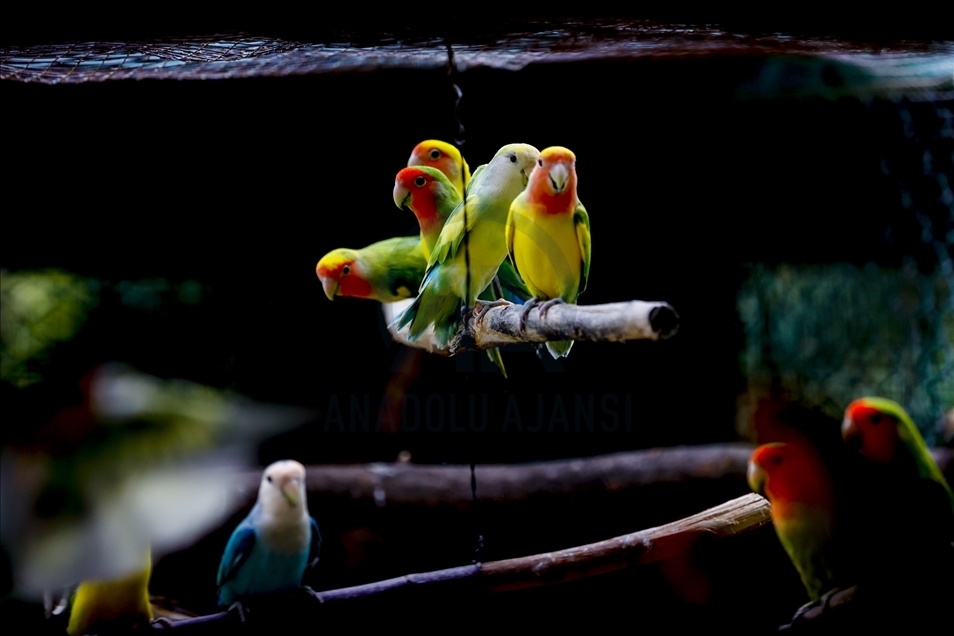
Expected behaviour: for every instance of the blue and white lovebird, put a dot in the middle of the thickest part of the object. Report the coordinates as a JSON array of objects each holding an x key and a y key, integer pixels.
[{"x": 271, "y": 548}]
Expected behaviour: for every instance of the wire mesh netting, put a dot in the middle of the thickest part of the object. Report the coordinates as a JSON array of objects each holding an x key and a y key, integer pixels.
[{"x": 828, "y": 333}]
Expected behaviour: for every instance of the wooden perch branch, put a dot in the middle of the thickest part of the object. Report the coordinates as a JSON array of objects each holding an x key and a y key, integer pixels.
[
  {"x": 417, "y": 485},
  {"x": 497, "y": 326},
  {"x": 743, "y": 514},
  {"x": 614, "y": 322}
]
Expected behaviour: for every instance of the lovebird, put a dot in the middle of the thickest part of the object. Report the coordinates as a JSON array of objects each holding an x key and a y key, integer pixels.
[
  {"x": 905, "y": 509},
  {"x": 448, "y": 283},
  {"x": 886, "y": 436},
  {"x": 444, "y": 157},
  {"x": 116, "y": 605},
  {"x": 429, "y": 194},
  {"x": 794, "y": 479},
  {"x": 386, "y": 271},
  {"x": 269, "y": 551},
  {"x": 548, "y": 237}
]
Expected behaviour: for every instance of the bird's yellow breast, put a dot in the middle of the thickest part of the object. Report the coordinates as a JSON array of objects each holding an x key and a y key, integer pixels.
[
  {"x": 547, "y": 254},
  {"x": 123, "y": 602}
]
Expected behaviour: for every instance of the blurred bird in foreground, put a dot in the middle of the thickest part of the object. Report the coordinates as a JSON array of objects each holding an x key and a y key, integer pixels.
[
  {"x": 793, "y": 478},
  {"x": 907, "y": 510},
  {"x": 548, "y": 236},
  {"x": 386, "y": 271},
  {"x": 886, "y": 436},
  {"x": 112, "y": 605},
  {"x": 269, "y": 551},
  {"x": 140, "y": 467}
]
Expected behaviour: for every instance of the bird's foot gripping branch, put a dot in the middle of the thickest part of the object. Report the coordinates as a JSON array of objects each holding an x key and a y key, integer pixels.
[{"x": 495, "y": 324}]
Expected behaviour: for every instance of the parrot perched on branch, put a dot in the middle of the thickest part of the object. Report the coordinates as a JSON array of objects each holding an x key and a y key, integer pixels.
[
  {"x": 794, "y": 479},
  {"x": 269, "y": 551},
  {"x": 448, "y": 282},
  {"x": 548, "y": 237},
  {"x": 386, "y": 271},
  {"x": 905, "y": 510},
  {"x": 444, "y": 157},
  {"x": 428, "y": 193}
]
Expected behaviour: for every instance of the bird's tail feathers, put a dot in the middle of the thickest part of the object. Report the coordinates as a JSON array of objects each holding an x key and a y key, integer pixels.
[{"x": 559, "y": 348}]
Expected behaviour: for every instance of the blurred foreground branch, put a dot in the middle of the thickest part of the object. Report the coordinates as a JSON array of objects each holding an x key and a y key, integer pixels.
[
  {"x": 416, "y": 485},
  {"x": 743, "y": 514},
  {"x": 497, "y": 326}
]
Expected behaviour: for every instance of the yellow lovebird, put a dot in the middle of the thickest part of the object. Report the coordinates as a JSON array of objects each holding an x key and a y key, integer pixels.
[
  {"x": 114, "y": 604},
  {"x": 548, "y": 237}
]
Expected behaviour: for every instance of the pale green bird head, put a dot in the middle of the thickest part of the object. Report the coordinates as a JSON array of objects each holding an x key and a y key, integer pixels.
[{"x": 515, "y": 160}]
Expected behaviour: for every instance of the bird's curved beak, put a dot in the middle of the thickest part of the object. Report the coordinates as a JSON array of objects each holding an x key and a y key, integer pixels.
[
  {"x": 290, "y": 491},
  {"x": 401, "y": 195},
  {"x": 559, "y": 176},
  {"x": 329, "y": 284},
  {"x": 850, "y": 432},
  {"x": 756, "y": 478}
]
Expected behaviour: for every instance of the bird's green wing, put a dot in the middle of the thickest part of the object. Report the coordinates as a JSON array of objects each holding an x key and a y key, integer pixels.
[
  {"x": 453, "y": 231},
  {"x": 582, "y": 221}
]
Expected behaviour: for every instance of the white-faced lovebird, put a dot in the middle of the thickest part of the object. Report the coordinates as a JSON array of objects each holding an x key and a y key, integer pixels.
[{"x": 270, "y": 549}]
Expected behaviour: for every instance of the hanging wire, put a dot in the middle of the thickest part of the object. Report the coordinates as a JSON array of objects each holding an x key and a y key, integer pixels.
[{"x": 459, "y": 142}]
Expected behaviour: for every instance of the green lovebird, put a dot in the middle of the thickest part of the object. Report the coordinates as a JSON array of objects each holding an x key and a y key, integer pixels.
[
  {"x": 431, "y": 196},
  {"x": 793, "y": 478},
  {"x": 449, "y": 282},
  {"x": 903, "y": 512},
  {"x": 387, "y": 271}
]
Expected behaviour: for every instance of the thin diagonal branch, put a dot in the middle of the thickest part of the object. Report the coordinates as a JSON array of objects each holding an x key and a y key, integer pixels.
[{"x": 740, "y": 515}]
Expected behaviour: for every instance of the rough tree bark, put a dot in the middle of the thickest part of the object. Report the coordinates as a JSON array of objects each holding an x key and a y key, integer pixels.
[{"x": 495, "y": 326}]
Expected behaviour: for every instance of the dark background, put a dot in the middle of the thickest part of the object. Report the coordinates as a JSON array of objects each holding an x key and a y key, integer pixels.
[{"x": 241, "y": 186}]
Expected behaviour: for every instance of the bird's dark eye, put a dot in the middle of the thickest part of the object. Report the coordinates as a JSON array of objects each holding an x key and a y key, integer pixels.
[
  {"x": 420, "y": 181},
  {"x": 777, "y": 460},
  {"x": 346, "y": 270},
  {"x": 540, "y": 162},
  {"x": 435, "y": 154},
  {"x": 269, "y": 479},
  {"x": 876, "y": 418},
  {"x": 513, "y": 158}
]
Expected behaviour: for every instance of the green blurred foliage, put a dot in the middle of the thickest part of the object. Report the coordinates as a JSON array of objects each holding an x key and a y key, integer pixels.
[
  {"x": 37, "y": 310},
  {"x": 827, "y": 334}
]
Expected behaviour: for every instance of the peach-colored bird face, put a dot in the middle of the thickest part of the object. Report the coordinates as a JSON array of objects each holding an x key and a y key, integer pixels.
[
  {"x": 283, "y": 483},
  {"x": 554, "y": 175},
  {"x": 873, "y": 430},
  {"x": 340, "y": 275},
  {"x": 439, "y": 155},
  {"x": 408, "y": 183}
]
